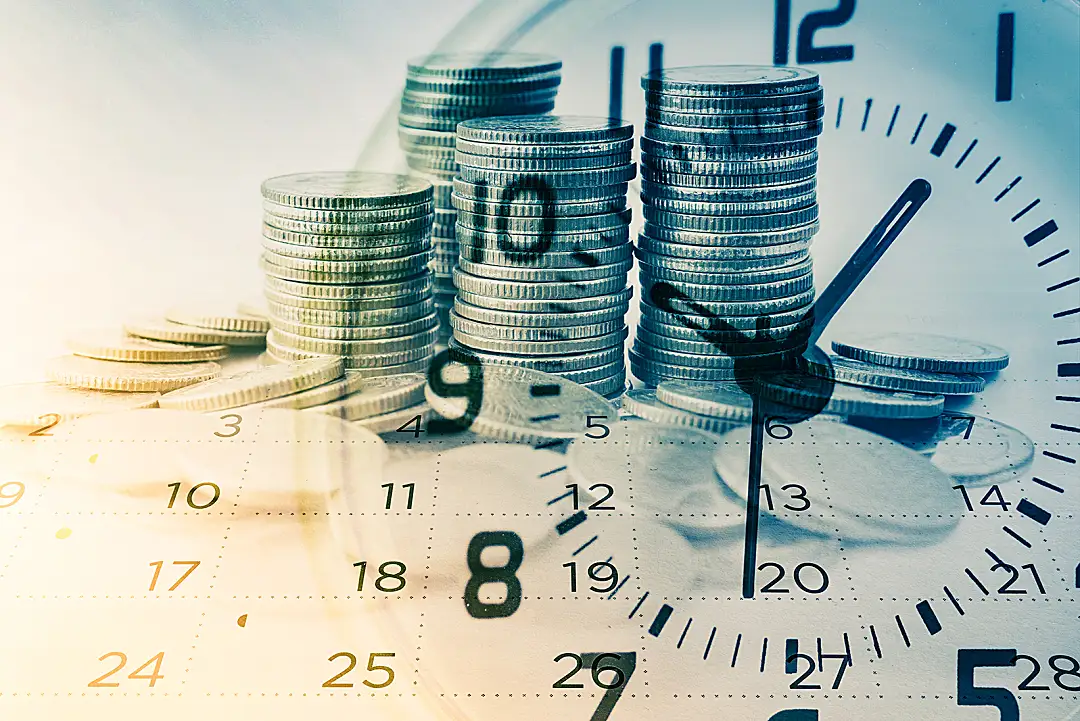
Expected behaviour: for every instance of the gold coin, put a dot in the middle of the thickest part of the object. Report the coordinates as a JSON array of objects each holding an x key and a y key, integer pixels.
[
  {"x": 29, "y": 404},
  {"x": 158, "y": 329},
  {"x": 117, "y": 346},
  {"x": 327, "y": 392},
  {"x": 255, "y": 308},
  {"x": 215, "y": 319},
  {"x": 255, "y": 386},
  {"x": 73, "y": 370}
]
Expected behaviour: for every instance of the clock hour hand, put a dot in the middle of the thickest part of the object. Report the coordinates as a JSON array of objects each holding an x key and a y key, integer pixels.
[{"x": 831, "y": 299}]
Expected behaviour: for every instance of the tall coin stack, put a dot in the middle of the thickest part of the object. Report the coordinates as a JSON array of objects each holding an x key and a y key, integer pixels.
[
  {"x": 544, "y": 240},
  {"x": 442, "y": 90},
  {"x": 346, "y": 257},
  {"x": 728, "y": 168}
]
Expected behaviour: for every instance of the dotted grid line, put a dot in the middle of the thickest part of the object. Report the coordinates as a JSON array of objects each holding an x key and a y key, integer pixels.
[
  {"x": 36, "y": 499},
  {"x": 427, "y": 566},
  {"x": 221, "y": 553},
  {"x": 642, "y": 661}
]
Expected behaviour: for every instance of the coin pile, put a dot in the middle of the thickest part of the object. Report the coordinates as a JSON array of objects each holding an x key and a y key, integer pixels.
[
  {"x": 728, "y": 183},
  {"x": 346, "y": 257},
  {"x": 442, "y": 90},
  {"x": 544, "y": 239}
]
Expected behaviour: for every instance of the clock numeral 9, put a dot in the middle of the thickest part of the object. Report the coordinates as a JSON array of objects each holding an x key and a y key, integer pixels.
[
  {"x": 11, "y": 493},
  {"x": 805, "y": 50}
]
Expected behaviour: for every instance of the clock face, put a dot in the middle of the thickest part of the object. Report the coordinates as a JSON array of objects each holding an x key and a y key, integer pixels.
[{"x": 607, "y": 576}]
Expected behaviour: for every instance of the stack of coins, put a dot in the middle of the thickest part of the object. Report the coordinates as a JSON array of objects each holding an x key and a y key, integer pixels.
[
  {"x": 442, "y": 90},
  {"x": 729, "y": 163},
  {"x": 544, "y": 240},
  {"x": 346, "y": 257}
]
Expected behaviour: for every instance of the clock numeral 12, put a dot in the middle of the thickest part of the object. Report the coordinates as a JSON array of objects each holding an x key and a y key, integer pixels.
[{"x": 805, "y": 50}]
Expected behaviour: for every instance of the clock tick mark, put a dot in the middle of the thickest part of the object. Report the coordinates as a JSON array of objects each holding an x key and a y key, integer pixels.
[
  {"x": 942, "y": 140},
  {"x": 791, "y": 648},
  {"x": 903, "y": 631},
  {"x": 892, "y": 121},
  {"x": 918, "y": 129},
  {"x": 966, "y": 153},
  {"x": 952, "y": 598},
  {"x": 993, "y": 164},
  {"x": 658, "y": 623},
  {"x": 977, "y": 582},
  {"x": 637, "y": 606},
  {"x": 617, "y": 588},
  {"x": 874, "y": 638},
  {"x": 1063, "y": 314},
  {"x": 585, "y": 545},
  {"x": 1041, "y": 233},
  {"x": 1033, "y": 511},
  {"x": 764, "y": 652},
  {"x": 1019, "y": 539},
  {"x": 1053, "y": 257},
  {"x": 544, "y": 390},
  {"x": 1067, "y": 341},
  {"x": 839, "y": 111},
  {"x": 542, "y": 419},
  {"x": 1008, "y": 187},
  {"x": 1047, "y": 484},
  {"x": 1063, "y": 427},
  {"x": 568, "y": 524},
  {"x": 1063, "y": 284},
  {"x": 552, "y": 472},
  {"x": 708, "y": 645},
  {"x": 1066, "y": 370},
  {"x": 735, "y": 653},
  {"x": 682, "y": 637},
  {"x": 615, "y": 86},
  {"x": 929, "y": 618},
  {"x": 1024, "y": 212},
  {"x": 866, "y": 114}
]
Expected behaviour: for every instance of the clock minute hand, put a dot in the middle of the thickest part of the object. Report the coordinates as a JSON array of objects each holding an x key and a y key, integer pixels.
[{"x": 830, "y": 301}]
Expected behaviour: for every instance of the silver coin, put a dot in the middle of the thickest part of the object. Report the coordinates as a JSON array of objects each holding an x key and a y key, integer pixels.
[
  {"x": 748, "y": 322},
  {"x": 748, "y": 309},
  {"x": 492, "y": 65},
  {"x": 409, "y": 328},
  {"x": 411, "y": 138},
  {"x": 546, "y": 242},
  {"x": 667, "y": 245},
  {"x": 724, "y": 267},
  {"x": 572, "y": 224},
  {"x": 735, "y": 293},
  {"x": 802, "y": 391},
  {"x": 562, "y": 365},
  {"x": 552, "y": 151},
  {"x": 395, "y": 293},
  {"x": 733, "y": 105},
  {"x": 858, "y": 373},
  {"x": 511, "y": 411},
  {"x": 850, "y": 463},
  {"x": 749, "y": 208},
  {"x": 375, "y": 252},
  {"x": 479, "y": 104},
  {"x": 663, "y": 192},
  {"x": 726, "y": 401},
  {"x": 498, "y": 162},
  {"x": 528, "y": 194},
  {"x": 532, "y": 210},
  {"x": 581, "y": 274},
  {"x": 754, "y": 180},
  {"x": 607, "y": 386},
  {"x": 545, "y": 130},
  {"x": 464, "y": 89},
  {"x": 346, "y": 190},
  {"x": 375, "y": 215},
  {"x": 733, "y": 135},
  {"x": 429, "y": 122},
  {"x": 412, "y": 226},
  {"x": 770, "y": 121},
  {"x": 541, "y": 348},
  {"x": 617, "y": 297},
  {"x": 644, "y": 403},
  {"x": 692, "y": 329},
  {"x": 370, "y": 272},
  {"x": 706, "y": 344},
  {"x": 551, "y": 319},
  {"x": 552, "y": 178},
  {"x": 551, "y": 259},
  {"x": 597, "y": 373},
  {"x": 655, "y": 149},
  {"x": 352, "y": 313},
  {"x": 715, "y": 359},
  {"x": 517, "y": 333},
  {"x": 730, "y": 223},
  {"x": 440, "y": 116},
  {"x": 376, "y": 397},
  {"x": 705, "y": 275},
  {"x": 806, "y": 164},
  {"x": 926, "y": 352},
  {"x": 284, "y": 339},
  {"x": 730, "y": 81},
  {"x": 311, "y": 240},
  {"x": 652, "y": 372},
  {"x": 286, "y": 353},
  {"x": 984, "y": 453}
]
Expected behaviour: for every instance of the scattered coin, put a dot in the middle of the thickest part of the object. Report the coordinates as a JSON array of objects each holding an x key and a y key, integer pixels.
[
  {"x": 925, "y": 352},
  {"x": 123, "y": 376},
  {"x": 217, "y": 320},
  {"x": 869, "y": 375},
  {"x": 644, "y": 403},
  {"x": 351, "y": 382},
  {"x": 118, "y": 346},
  {"x": 254, "y": 386},
  {"x": 29, "y": 404},
  {"x": 155, "y": 329},
  {"x": 984, "y": 453},
  {"x": 377, "y": 396}
]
